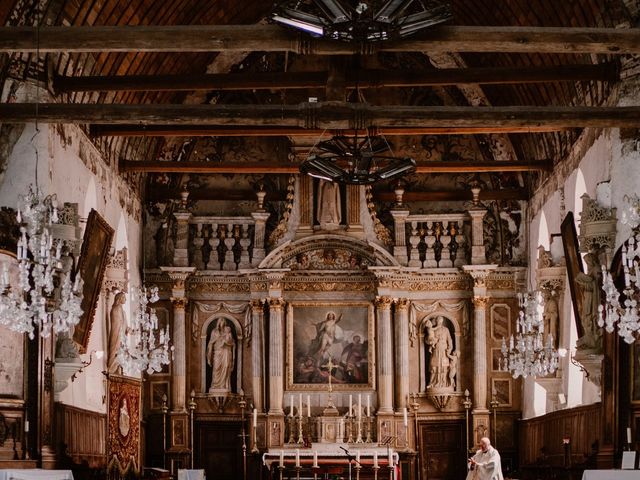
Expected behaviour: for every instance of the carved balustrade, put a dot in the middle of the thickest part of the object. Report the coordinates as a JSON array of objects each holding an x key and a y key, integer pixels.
[
  {"x": 438, "y": 240},
  {"x": 224, "y": 243}
]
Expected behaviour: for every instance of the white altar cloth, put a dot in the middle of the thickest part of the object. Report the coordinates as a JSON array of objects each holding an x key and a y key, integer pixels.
[
  {"x": 35, "y": 474},
  {"x": 611, "y": 475},
  {"x": 184, "y": 474}
]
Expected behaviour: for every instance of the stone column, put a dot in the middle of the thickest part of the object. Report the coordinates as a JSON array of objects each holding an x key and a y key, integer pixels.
[
  {"x": 384, "y": 354},
  {"x": 478, "y": 255},
  {"x": 399, "y": 225},
  {"x": 260, "y": 218},
  {"x": 276, "y": 355},
  {"x": 480, "y": 353},
  {"x": 353, "y": 209},
  {"x": 181, "y": 252},
  {"x": 402, "y": 352},
  {"x": 257, "y": 319}
]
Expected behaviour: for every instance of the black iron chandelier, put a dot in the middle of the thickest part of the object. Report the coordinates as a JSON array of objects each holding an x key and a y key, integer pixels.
[
  {"x": 353, "y": 160},
  {"x": 361, "y": 20}
]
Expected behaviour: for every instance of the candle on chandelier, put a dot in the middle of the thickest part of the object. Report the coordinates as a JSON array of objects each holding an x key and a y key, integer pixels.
[
  {"x": 309, "y": 406},
  {"x": 255, "y": 418}
]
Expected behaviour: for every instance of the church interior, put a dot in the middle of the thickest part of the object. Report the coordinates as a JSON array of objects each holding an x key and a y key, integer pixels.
[{"x": 319, "y": 239}]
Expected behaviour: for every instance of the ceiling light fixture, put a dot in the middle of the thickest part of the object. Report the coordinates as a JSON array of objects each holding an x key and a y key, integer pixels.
[
  {"x": 356, "y": 161},
  {"x": 362, "y": 21}
]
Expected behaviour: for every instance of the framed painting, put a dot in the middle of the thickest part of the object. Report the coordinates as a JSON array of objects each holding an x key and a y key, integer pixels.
[
  {"x": 96, "y": 243},
  {"x": 501, "y": 390},
  {"x": 574, "y": 264},
  {"x": 330, "y": 339}
]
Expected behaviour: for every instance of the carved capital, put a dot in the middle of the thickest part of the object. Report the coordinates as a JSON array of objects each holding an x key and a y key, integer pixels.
[
  {"x": 256, "y": 305},
  {"x": 383, "y": 303},
  {"x": 402, "y": 303},
  {"x": 276, "y": 303},
  {"x": 480, "y": 303},
  {"x": 179, "y": 303}
]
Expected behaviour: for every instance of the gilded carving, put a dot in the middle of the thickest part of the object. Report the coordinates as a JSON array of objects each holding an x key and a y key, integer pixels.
[
  {"x": 480, "y": 302},
  {"x": 383, "y": 302},
  {"x": 179, "y": 303},
  {"x": 500, "y": 284},
  {"x": 329, "y": 286},
  {"x": 218, "y": 287},
  {"x": 275, "y": 303},
  {"x": 402, "y": 304}
]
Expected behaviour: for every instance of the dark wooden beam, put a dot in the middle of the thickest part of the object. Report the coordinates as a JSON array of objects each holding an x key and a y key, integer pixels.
[
  {"x": 326, "y": 115},
  {"x": 162, "y": 193},
  {"x": 257, "y": 131},
  {"x": 280, "y": 168},
  {"x": 273, "y": 38},
  {"x": 361, "y": 79}
]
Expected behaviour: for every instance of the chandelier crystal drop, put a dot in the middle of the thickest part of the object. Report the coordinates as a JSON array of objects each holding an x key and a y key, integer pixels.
[
  {"x": 625, "y": 315},
  {"x": 46, "y": 296},
  {"x": 527, "y": 353},
  {"x": 140, "y": 350}
]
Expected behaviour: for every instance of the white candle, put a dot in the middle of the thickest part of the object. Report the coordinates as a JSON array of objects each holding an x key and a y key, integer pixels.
[
  {"x": 291, "y": 405},
  {"x": 281, "y": 458},
  {"x": 255, "y": 418},
  {"x": 300, "y": 405},
  {"x": 297, "y": 457},
  {"x": 368, "y": 405},
  {"x": 357, "y": 456},
  {"x": 404, "y": 416},
  {"x": 309, "y": 406},
  {"x": 359, "y": 405},
  {"x": 375, "y": 459},
  {"x": 315, "y": 459},
  {"x": 628, "y": 435},
  {"x": 390, "y": 459},
  {"x": 350, "y": 404},
  {"x": 26, "y": 426}
]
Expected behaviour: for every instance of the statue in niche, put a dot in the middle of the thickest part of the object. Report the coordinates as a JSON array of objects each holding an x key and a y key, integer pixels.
[
  {"x": 116, "y": 322},
  {"x": 545, "y": 260},
  {"x": 329, "y": 205},
  {"x": 550, "y": 316},
  {"x": 588, "y": 296},
  {"x": 221, "y": 353},
  {"x": 440, "y": 346}
]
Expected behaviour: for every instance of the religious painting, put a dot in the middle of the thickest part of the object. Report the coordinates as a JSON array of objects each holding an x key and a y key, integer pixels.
[
  {"x": 500, "y": 321},
  {"x": 12, "y": 366},
  {"x": 123, "y": 439},
  {"x": 94, "y": 256},
  {"x": 178, "y": 430},
  {"x": 158, "y": 391},
  {"x": 501, "y": 390},
  {"x": 221, "y": 352},
  {"x": 574, "y": 265},
  {"x": 330, "y": 342}
]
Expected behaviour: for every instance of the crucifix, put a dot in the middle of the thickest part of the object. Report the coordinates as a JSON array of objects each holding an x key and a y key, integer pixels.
[{"x": 330, "y": 366}]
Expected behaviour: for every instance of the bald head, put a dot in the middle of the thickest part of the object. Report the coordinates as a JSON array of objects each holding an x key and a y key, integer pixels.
[{"x": 485, "y": 443}]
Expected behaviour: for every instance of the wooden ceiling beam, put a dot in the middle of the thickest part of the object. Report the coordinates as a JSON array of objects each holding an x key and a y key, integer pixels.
[
  {"x": 273, "y": 38},
  {"x": 325, "y": 115},
  {"x": 196, "y": 131},
  {"x": 282, "y": 168},
  {"x": 359, "y": 79}
]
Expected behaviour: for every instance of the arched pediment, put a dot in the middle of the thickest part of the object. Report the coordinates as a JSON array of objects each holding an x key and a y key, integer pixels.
[{"x": 328, "y": 252}]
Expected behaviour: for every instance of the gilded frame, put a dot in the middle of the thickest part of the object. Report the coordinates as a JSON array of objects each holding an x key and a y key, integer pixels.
[
  {"x": 357, "y": 319},
  {"x": 574, "y": 264},
  {"x": 96, "y": 244}
]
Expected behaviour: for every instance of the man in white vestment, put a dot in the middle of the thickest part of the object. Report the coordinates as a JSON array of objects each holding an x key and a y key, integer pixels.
[{"x": 485, "y": 464}]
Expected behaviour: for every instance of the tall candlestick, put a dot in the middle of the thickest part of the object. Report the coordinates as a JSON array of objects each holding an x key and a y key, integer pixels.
[
  {"x": 315, "y": 459},
  {"x": 297, "y": 457},
  {"x": 281, "y": 458},
  {"x": 404, "y": 416},
  {"x": 291, "y": 405},
  {"x": 300, "y": 405},
  {"x": 359, "y": 405},
  {"x": 255, "y": 418},
  {"x": 375, "y": 459},
  {"x": 309, "y": 406},
  {"x": 368, "y": 405}
]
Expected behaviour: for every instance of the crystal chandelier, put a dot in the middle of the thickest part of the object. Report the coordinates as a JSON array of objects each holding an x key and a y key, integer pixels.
[
  {"x": 139, "y": 350},
  {"x": 46, "y": 296},
  {"x": 528, "y": 354},
  {"x": 626, "y": 314}
]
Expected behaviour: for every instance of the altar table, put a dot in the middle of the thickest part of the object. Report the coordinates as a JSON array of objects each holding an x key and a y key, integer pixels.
[
  {"x": 611, "y": 475},
  {"x": 35, "y": 474}
]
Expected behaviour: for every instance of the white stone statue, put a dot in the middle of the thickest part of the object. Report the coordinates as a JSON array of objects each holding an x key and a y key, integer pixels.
[
  {"x": 329, "y": 205},
  {"x": 117, "y": 321},
  {"x": 440, "y": 346},
  {"x": 550, "y": 316},
  {"x": 221, "y": 353}
]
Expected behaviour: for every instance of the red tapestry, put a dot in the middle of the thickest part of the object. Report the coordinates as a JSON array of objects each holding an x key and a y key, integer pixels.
[{"x": 123, "y": 440}]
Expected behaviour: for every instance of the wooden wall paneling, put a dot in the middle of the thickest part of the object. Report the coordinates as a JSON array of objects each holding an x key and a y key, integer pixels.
[{"x": 82, "y": 434}]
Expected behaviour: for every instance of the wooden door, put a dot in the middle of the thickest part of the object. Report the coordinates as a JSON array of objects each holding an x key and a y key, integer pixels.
[
  {"x": 219, "y": 449},
  {"x": 441, "y": 450}
]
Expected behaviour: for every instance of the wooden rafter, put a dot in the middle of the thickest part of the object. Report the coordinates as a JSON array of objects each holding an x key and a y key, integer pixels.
[
  {"x": 361, "y": 79},
  {"x": 208, "y": 38},
  {"x": 326, "y": 115},
  {"x": 283, "y": 168}
]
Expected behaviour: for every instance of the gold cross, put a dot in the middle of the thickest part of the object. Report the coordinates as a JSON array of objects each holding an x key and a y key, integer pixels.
[{"x": 330, "y": 365}]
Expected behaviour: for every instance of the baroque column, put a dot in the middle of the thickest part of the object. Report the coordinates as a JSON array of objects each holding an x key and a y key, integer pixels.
[
  {"x": 384, "y": 354},
  {"x": 402, "y": 351},
  {"x": 276, "y": 355},
  {"x": 257, "y": 322}
]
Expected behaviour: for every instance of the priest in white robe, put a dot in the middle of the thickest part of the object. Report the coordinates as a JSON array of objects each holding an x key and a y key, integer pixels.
[{"x": 485, "y": 464}]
